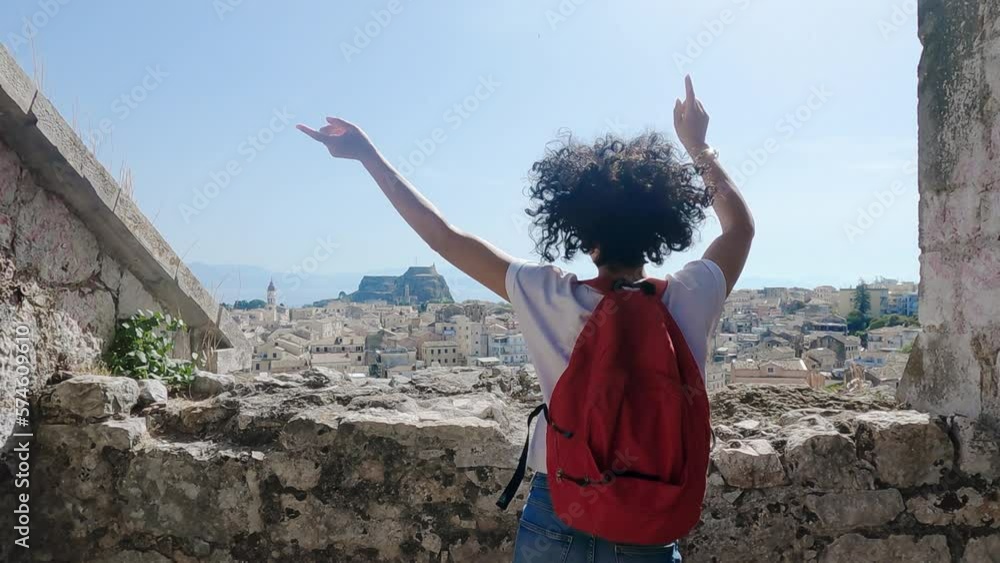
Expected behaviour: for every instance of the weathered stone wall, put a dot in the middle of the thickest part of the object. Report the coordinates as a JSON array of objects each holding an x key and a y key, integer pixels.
[
  {"x": 954, "y": 368},
  {"x": 84, "y": 227},
  {"x": 76, "y": 254},
  {"x": 57, "y": 281},
  {"x": 318, "y": 467}
]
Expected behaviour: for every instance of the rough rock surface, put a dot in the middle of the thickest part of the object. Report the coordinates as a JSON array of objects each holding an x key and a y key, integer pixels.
[
  {"x": 954, "y": 367},
  {"x": 207, "y": 384},
  {"x": 856, "y": 509},
  {"x": 823, "y": 455},
  {"x": 750, "y": 464},
  {"x": 894, "y": 549},
  {"x": 284, "y": 468},
  {"x": 905, "y": 449},
  {"x": 90, "y": 398},
  {"x": 742, "y": 402},
  {"x": 978, "y": 449},
  {"x": 985, "y": 549},
  {"x": 55, "y": 241},
  {"x": 59, "y": 289},
  {"x": 151, "y": 392}
]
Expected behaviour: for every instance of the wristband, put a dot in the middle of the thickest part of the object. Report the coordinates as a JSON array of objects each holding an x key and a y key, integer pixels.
[{"x": 706, "y": 153}]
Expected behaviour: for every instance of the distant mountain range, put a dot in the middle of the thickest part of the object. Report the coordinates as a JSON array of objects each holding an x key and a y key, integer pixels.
[{"x": 231, "y": 282}]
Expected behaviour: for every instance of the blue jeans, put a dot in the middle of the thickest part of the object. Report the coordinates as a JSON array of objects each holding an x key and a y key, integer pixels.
[{"x": 543, "y": 538}]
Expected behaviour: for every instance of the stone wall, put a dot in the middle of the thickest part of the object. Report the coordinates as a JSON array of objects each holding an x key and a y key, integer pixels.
[
  {"x": 321, "y": 467},
  {"x": 76, "y": 254},
  {"x": 954, "y": 367},
  {"x": 57, "y": 281}
]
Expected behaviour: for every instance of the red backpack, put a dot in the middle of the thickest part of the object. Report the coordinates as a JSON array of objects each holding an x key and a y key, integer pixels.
[{"x": 629, "y": 434}]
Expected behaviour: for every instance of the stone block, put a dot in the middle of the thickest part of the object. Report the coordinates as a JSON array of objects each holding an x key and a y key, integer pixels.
[
  {"x": 10, "y": 178},
  {"x": 314, "y": 428},
  {"x": 122, "y": 435},
  {"x": 89, "y": 397},
  {"x": 825, "y": 459},
  {"x": 133, "y": 297},
  {"x": 229, "y": 360},
  {"x": 133, "y": 556},
  {"x": 942, "y": 375},
  {"x": 750, "y": 464},
  {"x": 54, "y": 241},
  {"x": 207, "y": 384},
  {"x": 985, "y": 549},
  {"x": 906, "y": 448},
  {"x": 856, "y": 509},
  {"x": 978, "y": 448},
  {"x": 294, "y": 470},
  {"x": 963, "y": 507},
  {"x": 443, "y": 381},
  {"x": 855, "y": 548},
  {"x": 192, "y": 490},
  {"x": 111, "y": 273},
  {"x": 6, "y": 231},
  {"x": 151, "y": 392},
  {"x": 93, "y": 310}
]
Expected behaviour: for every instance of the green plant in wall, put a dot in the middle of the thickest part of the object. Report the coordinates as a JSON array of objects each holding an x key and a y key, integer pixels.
[{"x": 142, "y": 349}]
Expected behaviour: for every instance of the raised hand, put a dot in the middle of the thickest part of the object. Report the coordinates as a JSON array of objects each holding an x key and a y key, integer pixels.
[
  {"x": 691, "y": 121},
  {"x": 343, "y": 139}
]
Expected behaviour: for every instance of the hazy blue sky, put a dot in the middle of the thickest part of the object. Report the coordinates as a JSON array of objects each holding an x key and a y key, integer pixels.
[{"x": 822, "y": 94}]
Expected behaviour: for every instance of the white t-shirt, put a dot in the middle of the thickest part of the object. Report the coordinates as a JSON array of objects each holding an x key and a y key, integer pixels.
[{"x": 552, "y": 308}]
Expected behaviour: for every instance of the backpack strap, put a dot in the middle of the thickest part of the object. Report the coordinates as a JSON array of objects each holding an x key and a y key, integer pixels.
[
  {"x": 515, "y": 481},
  {"x": 601, "y": 285},
  {"x": 649, "y": 286},
  {"x": 660, "y": 285}
]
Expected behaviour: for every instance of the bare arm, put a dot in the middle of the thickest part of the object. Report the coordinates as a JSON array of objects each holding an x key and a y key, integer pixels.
[
  {"x": 730, "y": 249},
  {"x": 474, "y": 256}
]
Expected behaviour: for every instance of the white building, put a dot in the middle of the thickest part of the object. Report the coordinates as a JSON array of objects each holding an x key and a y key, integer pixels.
[
  {"x": 393, "y": 360},
  {"x": 443, "y": 352},
  {"x": 352, "y": 346},
  {"x": 509, "y": 347},
  {"x": 470, "y": 335},
  {"x": 716, "y": 378},
  {"x": 892, "y": 338}
]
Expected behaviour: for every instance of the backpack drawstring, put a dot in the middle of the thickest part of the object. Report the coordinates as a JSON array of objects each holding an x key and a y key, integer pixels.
[{"x": 647, "y": 287}]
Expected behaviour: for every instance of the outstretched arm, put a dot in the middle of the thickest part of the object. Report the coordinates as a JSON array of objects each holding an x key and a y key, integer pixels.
[
  {"x": 730, "y": 249},
  {"x": 480, "y": 260}
]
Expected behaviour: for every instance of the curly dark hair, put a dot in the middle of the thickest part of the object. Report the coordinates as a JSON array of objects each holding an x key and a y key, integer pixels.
[{"x": 634, "y": 200}]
